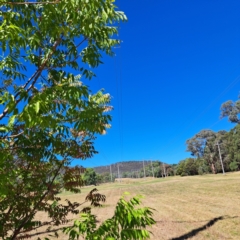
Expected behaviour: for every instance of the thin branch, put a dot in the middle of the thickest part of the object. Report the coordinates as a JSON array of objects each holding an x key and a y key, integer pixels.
[
  {"x": 28, "y": 147},
  {"x": 29, "y": 3},
  {"x": 27, "y": 218},
  {"x": 35, "y": 76},
  {"x": 14, "y": 136},
  {"x": 65, "y": 55}
]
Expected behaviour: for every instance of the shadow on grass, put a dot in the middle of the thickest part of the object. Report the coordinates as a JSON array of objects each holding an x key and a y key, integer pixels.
[
  {"x": 197, "y": 230},
  {"x": 183, "y": 237},
  {"x": 49, "y": 231}
]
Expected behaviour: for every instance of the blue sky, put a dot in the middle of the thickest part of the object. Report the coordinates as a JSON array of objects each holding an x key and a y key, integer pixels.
[{"x": 179, "y": 61}]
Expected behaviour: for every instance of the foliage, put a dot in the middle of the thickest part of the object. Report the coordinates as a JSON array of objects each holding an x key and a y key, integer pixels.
[
  {"x": 232, "y": 147},
  {"x": 90, "y": 177},
  {"x": 203, "y": 167},
  {"x": 47, "y": 115},
  {"x": 231, "y": 110},
  {"x": 234, "y": 166},
  {"x": 128, "y": 222},
  {"x": 191, "y": 166},
  {"x": 105, "y": 177},
  {"x": 204, "y": 145}
]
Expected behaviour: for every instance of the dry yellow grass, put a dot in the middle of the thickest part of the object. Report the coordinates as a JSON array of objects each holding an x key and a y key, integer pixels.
[{"x": 197, "y": 207}]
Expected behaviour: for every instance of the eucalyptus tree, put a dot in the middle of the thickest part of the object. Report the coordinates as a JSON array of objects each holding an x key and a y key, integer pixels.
[
  {"x": 203, "y": 145},
  {"x": 232, "y": 143},
  {"x": 231, "y": 110},
  {"x": 48, "y": 116}
]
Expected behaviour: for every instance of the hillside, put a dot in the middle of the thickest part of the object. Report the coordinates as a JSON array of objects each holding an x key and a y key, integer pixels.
[{"x": 123, "y": 166}]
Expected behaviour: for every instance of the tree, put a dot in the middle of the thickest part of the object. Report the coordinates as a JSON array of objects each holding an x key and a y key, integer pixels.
[
  {"x": 231, "y": 110},
  {"x": 234, "y": 166},
  {"x": 203, "y": 166},
  {"x": 105, "y": 177},
  {"x": 126, "y": 174},
  {"x": 180, "y": 168},
  {"x": 48, "y": 115},
  {"x": 90, "y": 177},
  {"x": 203, "y": 145},
  {"x": 232, "y": 146},
  {"x": 187, "y": 167}
]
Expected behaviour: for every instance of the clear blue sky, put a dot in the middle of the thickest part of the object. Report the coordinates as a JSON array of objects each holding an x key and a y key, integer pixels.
[{"x": 169, "y": 77}]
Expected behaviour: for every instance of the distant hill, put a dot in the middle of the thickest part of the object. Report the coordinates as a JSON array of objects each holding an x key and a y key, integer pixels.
[{"x": 123, "y": 167}]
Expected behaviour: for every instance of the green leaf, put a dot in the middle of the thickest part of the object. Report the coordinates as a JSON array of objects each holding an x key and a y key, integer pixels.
[
  {"x": 37, "y": 106},
  {"x": 11, "y": 120},
  {"x": 4, "y": 129}
]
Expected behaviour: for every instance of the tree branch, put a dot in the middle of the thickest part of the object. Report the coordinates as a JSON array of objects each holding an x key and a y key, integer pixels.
[
  {"x": 13, "y": 136},
  {"x": 27, "y": 218},
  {"x": 35, "y": 76},
  {"x": 29, "y": 3}
]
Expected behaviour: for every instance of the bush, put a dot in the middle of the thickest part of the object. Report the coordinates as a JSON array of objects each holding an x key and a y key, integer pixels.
[{"x": 233, "y": 166}]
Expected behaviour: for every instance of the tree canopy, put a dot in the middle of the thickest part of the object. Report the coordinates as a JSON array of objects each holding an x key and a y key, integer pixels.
[
  {"x": 48, "y": 116},
  {"x": 204, "y": 144},
  {"x": 231, "y": 110}
]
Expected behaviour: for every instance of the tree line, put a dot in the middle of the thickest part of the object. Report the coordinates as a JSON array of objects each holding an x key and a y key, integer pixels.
[{"x": 214, "y": 152}]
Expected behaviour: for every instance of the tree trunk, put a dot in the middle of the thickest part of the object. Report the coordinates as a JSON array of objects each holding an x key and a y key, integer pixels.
[
  {"x": 211, "y": 161},
  {"x": 213, "y": 168}
]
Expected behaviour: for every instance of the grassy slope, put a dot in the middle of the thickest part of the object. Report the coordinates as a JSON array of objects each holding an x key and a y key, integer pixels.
[{"x": 198, "y": 207}]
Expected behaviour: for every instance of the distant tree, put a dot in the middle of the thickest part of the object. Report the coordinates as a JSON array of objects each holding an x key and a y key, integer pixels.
[
  {"x": 187, "y": 167},
  {"x": 202, "y": 166},
  {"x": 232, "y": 146},
  {"x": 99, "y": 178},
  {"x": 106, "y": 177},
  {"x": 180, "y": 168},
  {"x": 234, "y": 166},
  {"x": 203, "y": 145},
  {"x": 90, "y": 177},
  {"x": 191, "y": 166},
  {"x": 135, "y": 174},
  {"x": 174, "y": 168},
  {"x": 169, "y": 170},
  {"x": 126, "y": 174},
  {"x": 231, "y": 110}
]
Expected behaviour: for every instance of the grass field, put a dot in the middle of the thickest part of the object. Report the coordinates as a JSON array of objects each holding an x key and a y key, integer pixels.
[{"x": 197, "y": 207}]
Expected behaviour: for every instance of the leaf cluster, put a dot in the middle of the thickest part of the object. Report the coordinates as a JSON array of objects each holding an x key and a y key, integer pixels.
[{"x": 129, "y": 222}]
